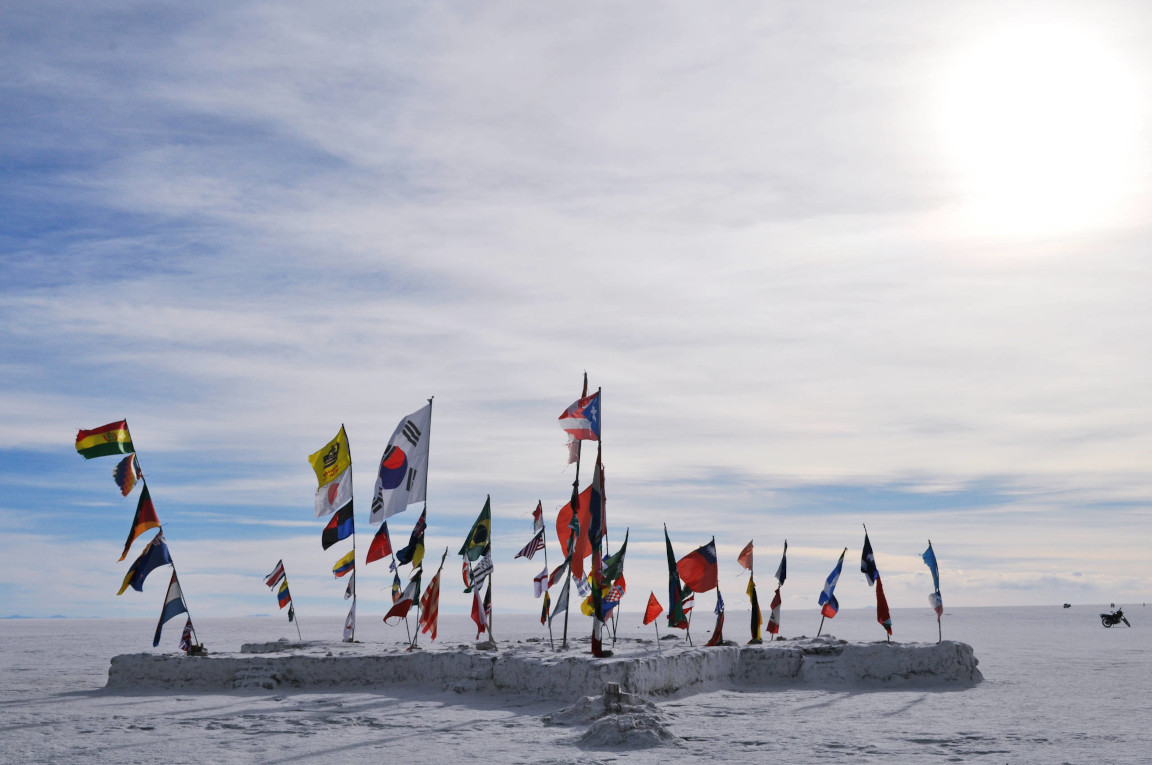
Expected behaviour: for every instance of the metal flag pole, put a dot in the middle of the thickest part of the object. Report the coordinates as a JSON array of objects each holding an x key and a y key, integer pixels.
[
  {"x": 295, "y": 616},
  {"x": 575, "y": 511}
]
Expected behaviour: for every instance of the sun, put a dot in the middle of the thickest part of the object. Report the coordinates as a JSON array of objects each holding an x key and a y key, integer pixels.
[{"x": 1040, "y": 127}]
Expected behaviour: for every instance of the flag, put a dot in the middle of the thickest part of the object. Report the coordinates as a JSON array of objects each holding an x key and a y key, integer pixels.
[
  {"x": 430, "y": 605},
  {"x": 340, "y": 527},
  {"x": 718, "y": 632},
  {"x": 868, "y": 562},
  {"x": 276, "y": 575},
  {"x": 653, "y": 609},
  {"x": 782, "y": 569},
  {"x": 402, "y": 479},
  {"x": 558, "y": 573},
  {"x": 345, "y": 564},
  {"x": 414, "y": 552},
  {"x": 112, "y": 438},
  {"x": 186, "y": 637},
  {"x": 410, "y": 595},
  {"x": 596, "y": 522},
  {"x": 291, "y": 613},
  {"x": 488, "y": 603},
  {"x": 571, "y": 518},
  {"x": 745, "y": 556},
  {"x": 153, "y": 556},
  {"x": 583, "y": 589},
  {"x": 144, "y": 519},
  {"x": 937, "y": 604},
  {"x": 561, "y": 602},
  {"x": 933, "y": 597},
  {"x": 332, "y": 460},
  {"x": 676, "y": 617},
  {"x": 614, "y": 563},
  {"x": 698, "y": 569},
  {"x": 396, "y": 586},
  {"x": 478, "y": 614},
  {"x": 466, "y": 573},
  {"x": 381, "y": 544},
  {"x": 828, "y": 603},
  {"x": 173, "y": 605},
  {"x": 283, "y": 595},
  {"x": 544, "y": 610},
  {"x": 774, "y": 616},
  {"x": 350, "y": 624},
  {"x": 334, "y": 495},
  {"x": 483, "y": 568},
  {"x": 533, "y": 547},
  {"x": 125, "y": 474},
  {"x": 540, "y": 583},
  {"x": 350, "y": 590},
  {"x": 687, "y": 601},
  {"x": 481, "y": 534},
  {"x": 581, "y": 421},
  {"x": 883, "y": 615},
  {"x": 757, "y": 619},
  {"x": 615, "y": 594},
  {"x": 538, "y": 517}
]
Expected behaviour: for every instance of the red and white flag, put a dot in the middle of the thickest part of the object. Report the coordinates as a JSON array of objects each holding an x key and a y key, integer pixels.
[
  {"x": 430, "y": 607},
  {"x": 581, "y": 422},
  {"x": 540, "y": 583},
  {"x": 276, "y": 575},
  {"x": 538, "y": 517},
  {"x": 774, "y": 617}
]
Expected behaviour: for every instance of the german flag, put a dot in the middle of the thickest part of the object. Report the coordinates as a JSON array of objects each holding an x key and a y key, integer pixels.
[
  {"x": 144, "y": 519},
  {"x": 112, "y": 438}
]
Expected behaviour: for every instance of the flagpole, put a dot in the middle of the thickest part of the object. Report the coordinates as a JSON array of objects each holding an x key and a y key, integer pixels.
[
  {"x": 414, "y": 637},
  {"x": 295, "y": 616},
  {"x": 576, "y": 508},
  {"x": 144, "y": 485},
  {"x": 657, "y": 628}
]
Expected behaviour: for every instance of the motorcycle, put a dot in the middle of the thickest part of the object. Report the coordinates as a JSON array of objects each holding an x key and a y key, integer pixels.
[{"x": 1114, "y": 618}]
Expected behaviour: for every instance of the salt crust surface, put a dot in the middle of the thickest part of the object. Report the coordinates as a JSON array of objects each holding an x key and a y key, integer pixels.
[{"x": 516, "y": 669}]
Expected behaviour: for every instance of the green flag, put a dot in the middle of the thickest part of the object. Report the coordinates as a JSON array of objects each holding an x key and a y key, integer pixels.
[
  {"x": 614, "y": 563},
  {"x": 481, "y": 534},
  {"x": 676, "y": 617}
]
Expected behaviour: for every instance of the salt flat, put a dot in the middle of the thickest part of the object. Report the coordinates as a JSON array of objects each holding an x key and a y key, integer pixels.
[{"x": 1057, "y": 688}]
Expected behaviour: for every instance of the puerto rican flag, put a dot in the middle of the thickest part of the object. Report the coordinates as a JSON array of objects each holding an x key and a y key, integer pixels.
[{"x": 581, "y": 421}]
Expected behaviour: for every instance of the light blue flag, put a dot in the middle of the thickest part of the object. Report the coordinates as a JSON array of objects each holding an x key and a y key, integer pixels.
[{"x": 930, "y": 561}]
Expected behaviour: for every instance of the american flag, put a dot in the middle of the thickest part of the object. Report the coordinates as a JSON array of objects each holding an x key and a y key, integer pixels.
[
  {"x": 430, "y": 607},
  {"x": 186, "y": 637},
  {"x": 533, "y": 547}
]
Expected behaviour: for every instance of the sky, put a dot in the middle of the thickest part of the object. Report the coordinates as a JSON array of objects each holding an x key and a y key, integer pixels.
[{"x": 832, "y": 266}]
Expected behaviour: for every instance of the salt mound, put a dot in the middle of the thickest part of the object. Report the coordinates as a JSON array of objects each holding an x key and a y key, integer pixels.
[
  {"x": 628, "y": 731},
  {"x": 617, "y": 720}
]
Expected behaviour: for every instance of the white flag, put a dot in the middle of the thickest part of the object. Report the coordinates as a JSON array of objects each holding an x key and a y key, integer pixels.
[
  {"x": 482, "y": 569},
  {"x": 539, "y": 584},
  {"x": 335, "y": 494},
  {"x": 402, "y": 479},
  {"x": 350, "y": 624}
]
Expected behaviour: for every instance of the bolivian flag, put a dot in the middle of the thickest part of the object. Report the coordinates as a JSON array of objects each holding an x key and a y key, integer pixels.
[{"x": 112, "y": 438}]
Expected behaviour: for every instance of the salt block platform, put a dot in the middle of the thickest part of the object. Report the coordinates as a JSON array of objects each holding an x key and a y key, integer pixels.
[{"x": 533, "y": 670}]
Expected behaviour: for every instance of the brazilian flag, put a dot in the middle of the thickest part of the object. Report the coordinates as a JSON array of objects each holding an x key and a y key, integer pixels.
[{"x": 481, "y": 534}]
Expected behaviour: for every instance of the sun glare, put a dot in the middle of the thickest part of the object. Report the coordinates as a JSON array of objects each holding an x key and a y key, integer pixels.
[{"x": 1040, "y": 125}]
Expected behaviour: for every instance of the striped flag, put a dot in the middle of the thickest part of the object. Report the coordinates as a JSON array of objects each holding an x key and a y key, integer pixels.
[
  {"x": 544, "y": 610},
  {"x": 186, "y": 637},
  {"x": 112, "y": 438},
  {"x": 276, "y": 575},
  {"x": 430, "y": 605},
  {"x": 173, "y": 605},
  {"x": 144, "y": 519},
  {"x": 533, "y": 547}
]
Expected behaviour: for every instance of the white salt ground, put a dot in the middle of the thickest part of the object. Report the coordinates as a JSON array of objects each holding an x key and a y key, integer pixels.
[{"x": 1057, "y": 688}]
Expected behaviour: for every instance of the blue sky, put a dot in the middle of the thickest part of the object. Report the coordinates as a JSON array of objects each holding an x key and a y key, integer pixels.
[{"x": 831, "y": 267}]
